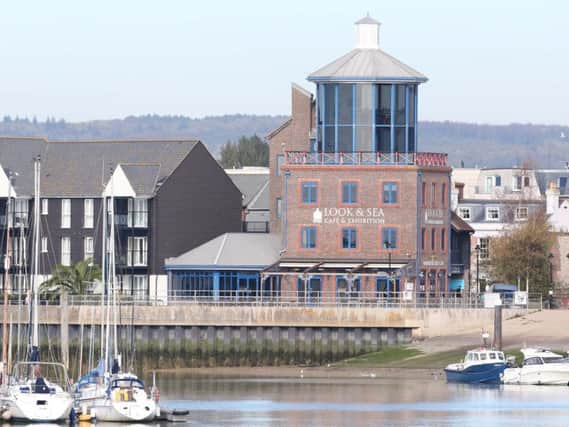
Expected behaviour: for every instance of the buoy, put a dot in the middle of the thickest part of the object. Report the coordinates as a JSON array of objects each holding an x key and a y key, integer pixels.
[{"x": 84, "y": 418}]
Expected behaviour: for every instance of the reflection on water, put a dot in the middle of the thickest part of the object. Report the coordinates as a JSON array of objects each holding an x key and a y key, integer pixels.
[{"x": 362, "y": 402}]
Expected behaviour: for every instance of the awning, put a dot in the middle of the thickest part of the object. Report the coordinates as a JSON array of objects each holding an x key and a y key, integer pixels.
[{"x": 456, "y": 284}]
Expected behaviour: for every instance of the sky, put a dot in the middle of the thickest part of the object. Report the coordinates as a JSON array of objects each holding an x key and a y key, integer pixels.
[{"x": 487, "y": 61}]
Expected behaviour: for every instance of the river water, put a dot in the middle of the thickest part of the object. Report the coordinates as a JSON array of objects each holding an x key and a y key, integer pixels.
[{"x": 362, "y": 402}]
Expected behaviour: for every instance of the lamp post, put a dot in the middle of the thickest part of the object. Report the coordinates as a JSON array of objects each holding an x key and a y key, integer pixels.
[
  {"x": 387, "y": 245},
  {"x": 477, "y": 249},
  {"x": 550, "y": 293}
]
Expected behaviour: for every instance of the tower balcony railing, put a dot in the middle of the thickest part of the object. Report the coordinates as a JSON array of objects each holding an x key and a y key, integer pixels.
[{"x": 366, "y": 158}]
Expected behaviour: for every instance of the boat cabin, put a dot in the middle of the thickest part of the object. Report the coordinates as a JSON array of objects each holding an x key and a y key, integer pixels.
[{"x": 484, "y": 356}]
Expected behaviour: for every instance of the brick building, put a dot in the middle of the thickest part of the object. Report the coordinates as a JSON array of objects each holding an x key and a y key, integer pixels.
[{"x": 359, "y": 208}]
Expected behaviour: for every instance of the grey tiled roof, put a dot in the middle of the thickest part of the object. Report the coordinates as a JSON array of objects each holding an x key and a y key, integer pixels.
[
  {"x": 231, "y": 250},
  {"x": 82, "y": 168},
  {"x": 545, "y": 177},
  {"x": 249, "y": 185},
  {"x": 143, "y": 178},
  {"x": 367, "y": 20},
  {"x": 367, "y": 65}
]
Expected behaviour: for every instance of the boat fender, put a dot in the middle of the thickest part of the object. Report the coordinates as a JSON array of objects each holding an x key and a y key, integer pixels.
[
  {"x": 156, "y": 394},
  {"x": 7, "y": 415}
]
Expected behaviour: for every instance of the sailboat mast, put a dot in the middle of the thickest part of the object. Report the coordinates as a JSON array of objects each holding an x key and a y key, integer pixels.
[
  {"x": 112, "y": 272},
  {"x": 35, "y": 287},
  {"x": 6, "y": 283},
  {"x": 103, "y": 274}
]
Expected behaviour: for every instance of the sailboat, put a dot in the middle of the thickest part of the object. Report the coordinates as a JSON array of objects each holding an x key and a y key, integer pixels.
[
  {"x": 106, "y": 393},
  {"x": 35, "y": 391}
]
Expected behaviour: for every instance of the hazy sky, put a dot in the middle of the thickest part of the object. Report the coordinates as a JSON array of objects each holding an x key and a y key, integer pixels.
[{"x": 487, "y": 61}]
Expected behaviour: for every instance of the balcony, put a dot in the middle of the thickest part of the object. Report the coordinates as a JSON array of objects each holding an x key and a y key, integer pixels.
[{"x": 365, "y": 158}]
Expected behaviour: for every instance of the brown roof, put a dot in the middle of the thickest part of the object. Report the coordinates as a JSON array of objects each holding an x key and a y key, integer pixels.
[{"x": 458, "y": 224}]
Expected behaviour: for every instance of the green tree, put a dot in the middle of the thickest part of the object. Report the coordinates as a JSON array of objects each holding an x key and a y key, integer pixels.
[
  {"x": 521, "y": 254},
  {"x": 247, "y": 151},
  {"x": 75, "y": 279}
]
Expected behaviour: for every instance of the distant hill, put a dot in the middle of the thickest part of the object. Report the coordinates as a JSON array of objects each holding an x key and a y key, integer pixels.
[{"x": 473, "y": 144}]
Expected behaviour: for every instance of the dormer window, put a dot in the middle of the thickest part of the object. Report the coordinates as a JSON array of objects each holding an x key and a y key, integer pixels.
[
  {"x": 562, "y": 182},
  {"x": 493, "y": 181}
]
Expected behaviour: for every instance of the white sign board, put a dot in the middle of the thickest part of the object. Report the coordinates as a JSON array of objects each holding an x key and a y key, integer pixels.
[
  {"x": 492, "y": 299},
  {"x": 520, "y": 298},
  {"x": 407, "y": 296}
]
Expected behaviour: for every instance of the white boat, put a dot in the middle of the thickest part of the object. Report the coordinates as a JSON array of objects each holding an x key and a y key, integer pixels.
[
  {"x": 35, "y": 391},
  {"x": 106, "y": 393},
  {"x": 540, "y": 367}
]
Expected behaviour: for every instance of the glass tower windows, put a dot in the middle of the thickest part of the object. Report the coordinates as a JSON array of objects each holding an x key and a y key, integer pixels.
[{"x": 366, "y": 117}]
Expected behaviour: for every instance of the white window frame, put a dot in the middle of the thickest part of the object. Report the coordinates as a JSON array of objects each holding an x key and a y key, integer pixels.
[
  {"x": 44, "y": 206},
  {"x": 139, "y": 285},
  {"x": 65, "y": 213},
  {"x": 43, "y": 245},
  {"x": 462, "y": 209},
  {"x": 88, "y": 248},
  {"x": 515, "y": 186},
  {"x": 88, "y": 213},
  {"x": 138, "y": 213},
  {"x": 66, "y": 251},
  {"x": 489, "y": 217},
  {"x": 279, "y": 208},
  {"x": 522, "y": 217},
  {"x": 484, "y": 245},
  {"x": 19, "y": 210},
  {"x": 137, "y": 255}
]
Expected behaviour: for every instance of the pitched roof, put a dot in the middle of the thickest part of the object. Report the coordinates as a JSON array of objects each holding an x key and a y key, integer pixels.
[
  {"x": 371, "y": 65},
  {"x": 230, "y": 251},
  {"x": 250, "y": 184},
  {"x": 458, "y": 224},
  {"x": 81, "y": 168}
]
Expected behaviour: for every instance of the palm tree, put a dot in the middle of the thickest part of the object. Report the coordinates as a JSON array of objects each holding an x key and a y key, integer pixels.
[{"x": 76, "y": 279}]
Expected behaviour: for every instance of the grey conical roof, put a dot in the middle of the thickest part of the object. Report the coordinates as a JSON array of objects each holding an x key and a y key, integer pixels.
[{"x": 371, "y": 65}]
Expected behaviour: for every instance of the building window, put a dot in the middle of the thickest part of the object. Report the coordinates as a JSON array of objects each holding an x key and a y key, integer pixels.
[
  {"x": 88, "y": 213},
  {"x": 464, "y": 213},
  {"x": 139, "y": 286},
  {"x": 279, "y": 207},
  {"x": 433, "y": 194},
  {"x": 18, "y": 250},
  {"x": 423, "y": 238},
  {"x": 19, "y": 213},
  {"x": 433, "y": 239},
  {"x": 484, "y": 244},
  {"x": 389, "y": 238},
  {"x": 88, "y": 248},
  {"x": 443, "y": 240},
  {"x": 349, "y": 192},
  {"x": 44, "y": 245},
  {"x": 137, "y": 255},
  {"x": 521, "y": 213},
  {"x": 390, "y": 193},
  {"x": 492, "y": 214},
  {"x": 443, "y": 194},
  {"x": 66, "y": 251},
  {"x": 280, "y": 161},
  {"x": 562, "y": 182},
  {"x": 44, "y": 206},
  {"x": 493, "y": 181},
  {"x": 138, "y": 213},
  {"x": 65, "y": 213},
  {"x": 349, "y": 238},
  {"x": 308, "y": 238},
  {"x": 424, "y": 194},
  {"x": 309, "y": 192}
]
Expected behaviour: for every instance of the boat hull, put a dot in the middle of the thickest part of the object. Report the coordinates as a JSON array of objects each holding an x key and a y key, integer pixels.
[
  {"x": 477, "y": 374},
  {"x": 549, "y": 375},
  {"x": 110, "y": 411},
  {"x": 36, "y": 407}
]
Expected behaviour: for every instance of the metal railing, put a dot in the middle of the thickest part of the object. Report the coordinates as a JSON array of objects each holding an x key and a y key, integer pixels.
[
  {"x": 355, "y": 299},
  {"x": 366, "y": 158}
]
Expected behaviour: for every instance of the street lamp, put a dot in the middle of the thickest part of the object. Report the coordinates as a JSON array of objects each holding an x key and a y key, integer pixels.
[
  {"x": 388, "y": 245},
  {"x": 550, "y": 258},
  {"x": 477, "y": 249}
]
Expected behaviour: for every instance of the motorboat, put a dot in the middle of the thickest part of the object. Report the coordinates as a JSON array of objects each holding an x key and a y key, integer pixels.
[
  {"x": 480, "y": 366},
  {"x": 540, "y": 367}
]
